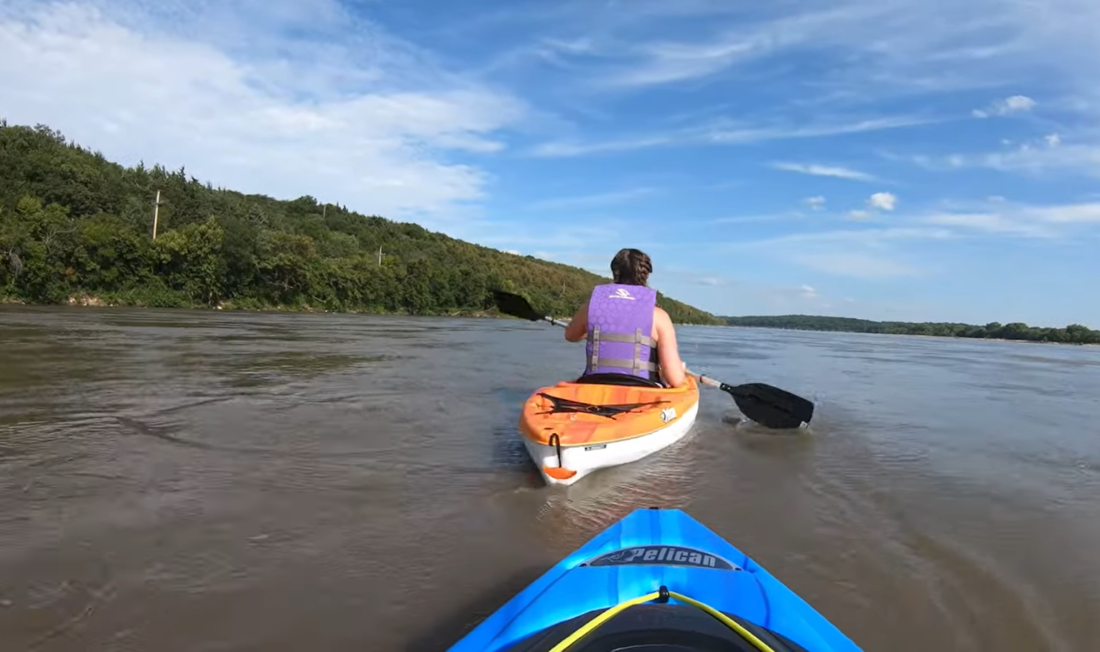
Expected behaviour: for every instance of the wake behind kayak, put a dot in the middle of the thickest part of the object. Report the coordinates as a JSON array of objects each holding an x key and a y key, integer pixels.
[{"x": 657, "y": 580}]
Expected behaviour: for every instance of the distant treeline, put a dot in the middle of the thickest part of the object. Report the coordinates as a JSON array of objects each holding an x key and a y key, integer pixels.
[
  {"x": 1072, "y": 334},
  {"x": 74, "y": 224}
]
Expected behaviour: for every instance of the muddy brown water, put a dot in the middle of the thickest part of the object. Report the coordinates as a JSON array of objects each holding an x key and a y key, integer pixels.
[{"x": 199, "y": 481}]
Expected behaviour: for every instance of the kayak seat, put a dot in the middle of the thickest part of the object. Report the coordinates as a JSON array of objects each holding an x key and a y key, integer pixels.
[{"x": 625, "y": 380}]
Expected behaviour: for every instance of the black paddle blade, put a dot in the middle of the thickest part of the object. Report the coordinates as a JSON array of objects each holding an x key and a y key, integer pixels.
[
  {"x": 770, "y": 406},
  {"x": 515, "y": 305}
]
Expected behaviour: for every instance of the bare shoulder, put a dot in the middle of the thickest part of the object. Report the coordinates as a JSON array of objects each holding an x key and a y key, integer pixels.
[
  {"x": 660, "y": 316},
  {"x": 577, "y": 328}
]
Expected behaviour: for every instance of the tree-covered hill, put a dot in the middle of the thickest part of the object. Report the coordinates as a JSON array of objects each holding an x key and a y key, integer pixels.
[
  {"x": 1072, "y": 334},
  {"x": 75, "y": 224}
]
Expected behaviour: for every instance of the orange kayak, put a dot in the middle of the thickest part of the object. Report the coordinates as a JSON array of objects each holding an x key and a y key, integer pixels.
[{"x": 574, "y": 428}]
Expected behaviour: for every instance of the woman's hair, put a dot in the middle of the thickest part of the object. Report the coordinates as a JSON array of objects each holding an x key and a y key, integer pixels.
[{"x": 631, "y": 267}]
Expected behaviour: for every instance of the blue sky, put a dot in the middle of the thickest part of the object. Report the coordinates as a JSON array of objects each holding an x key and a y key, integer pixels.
[{"x": 871, "y": 158}]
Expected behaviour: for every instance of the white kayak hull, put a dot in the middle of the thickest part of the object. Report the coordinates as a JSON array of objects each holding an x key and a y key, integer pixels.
[{"x": 586, "y": 459}]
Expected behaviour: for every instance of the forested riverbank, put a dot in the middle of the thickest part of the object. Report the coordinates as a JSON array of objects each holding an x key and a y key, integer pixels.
[
  {"x": 77, "y": 228},
  {"x": 1072, "y": 334}
]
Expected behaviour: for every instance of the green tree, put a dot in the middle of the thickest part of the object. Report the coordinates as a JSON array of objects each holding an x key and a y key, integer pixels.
[{"x": 189, "y": 258}]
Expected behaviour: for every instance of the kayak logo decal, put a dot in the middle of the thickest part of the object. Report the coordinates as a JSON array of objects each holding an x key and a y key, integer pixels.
[
  {"x": 661, "y": 556},
  {"x": 621, "y": 294}
]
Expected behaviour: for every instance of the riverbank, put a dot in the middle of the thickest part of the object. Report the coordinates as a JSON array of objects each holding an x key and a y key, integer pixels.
[
  {"x": 128, "y": 300},
  {"x": 84, "y": 300},
  {"x": 1013, "y": 331},
  {"x": 917, "y": 336}
]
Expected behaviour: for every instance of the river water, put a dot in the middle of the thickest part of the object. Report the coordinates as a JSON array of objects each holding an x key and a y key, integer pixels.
[{"x": 206, "y": 481}]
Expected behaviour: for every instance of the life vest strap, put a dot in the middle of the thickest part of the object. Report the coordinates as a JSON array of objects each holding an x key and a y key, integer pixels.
[
  {"x": 637, "y": 339},
  {"x": 634, "y": 364}
]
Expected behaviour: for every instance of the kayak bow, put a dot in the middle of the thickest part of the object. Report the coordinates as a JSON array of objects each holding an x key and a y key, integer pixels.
[{"x": 656, "y": 580}]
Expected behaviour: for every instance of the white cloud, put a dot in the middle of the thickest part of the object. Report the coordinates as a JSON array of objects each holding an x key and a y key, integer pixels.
[
  {"x": 1016, "y": 103},
  {"x": 824, "y": 171},
  {"x": 1053, "y": 140},
  {"x": 368, "y": 134},
  {"x": 808, "y": 292},
  {"x": 880, "y": 201},
  {"x": 883, "y": 201},
  {"x": 815, "y": 203},
  {"x": 1009, "y": 105}
]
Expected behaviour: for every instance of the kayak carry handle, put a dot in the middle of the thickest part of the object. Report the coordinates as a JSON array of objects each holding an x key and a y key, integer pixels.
[{"x": 556, "y": 443}]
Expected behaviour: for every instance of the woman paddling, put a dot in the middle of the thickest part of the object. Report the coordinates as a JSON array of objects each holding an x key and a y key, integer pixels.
[{"x": 627, "y": 332}]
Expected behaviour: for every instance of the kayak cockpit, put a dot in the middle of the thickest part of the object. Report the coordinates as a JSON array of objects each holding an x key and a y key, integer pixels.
[
  {"x": 622, "y": 380},
  {"x": 656, "y": 628}
]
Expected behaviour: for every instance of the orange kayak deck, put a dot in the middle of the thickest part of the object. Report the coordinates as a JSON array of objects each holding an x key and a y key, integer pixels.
[{"x": 649, "y": 409}]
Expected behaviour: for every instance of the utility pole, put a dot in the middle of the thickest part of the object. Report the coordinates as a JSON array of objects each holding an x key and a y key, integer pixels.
[
  {"x": 156, "y": 213},
  {"x": 324, "y": 211},
  {"x": 380, "y": 256}
]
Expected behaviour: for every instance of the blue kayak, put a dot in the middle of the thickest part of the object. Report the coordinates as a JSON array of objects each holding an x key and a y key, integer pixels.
[{"x": 656, "y": 580}]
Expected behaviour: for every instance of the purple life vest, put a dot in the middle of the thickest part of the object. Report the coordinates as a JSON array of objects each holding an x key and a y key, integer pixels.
[{"x": 620, "y": 322}]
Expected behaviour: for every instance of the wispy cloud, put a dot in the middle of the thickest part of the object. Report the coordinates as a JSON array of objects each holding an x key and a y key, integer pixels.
[
  {"x": 567, "y": 149},
  {"x": 878, "y": 48},
  {"x": 761, "y": 217},
  {"x": 739, "y": 135},
  {"x": 824, "y": 171},
  {"x": 846, "y": 237},
  {"x": 990, "y": 223},
  {"x": 815, "y": 203},
  {"x": 1065, "y": 214},
  {"x": 672, "y": 62},
  {"x": 1050, "y": 154},
  {"x": 587, "y": 201},
  {"x": 725, "y": 133}
]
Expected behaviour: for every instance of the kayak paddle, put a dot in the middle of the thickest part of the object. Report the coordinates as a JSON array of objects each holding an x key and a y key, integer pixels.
[
  {"x": 769, "y": 406},
  {"x": 517, "y": 306}
]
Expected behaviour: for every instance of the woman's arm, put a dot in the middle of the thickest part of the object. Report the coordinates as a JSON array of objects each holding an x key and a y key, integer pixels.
[
  {"x": 577, "y": 329},
  {"x": 668, "y": 353}
]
